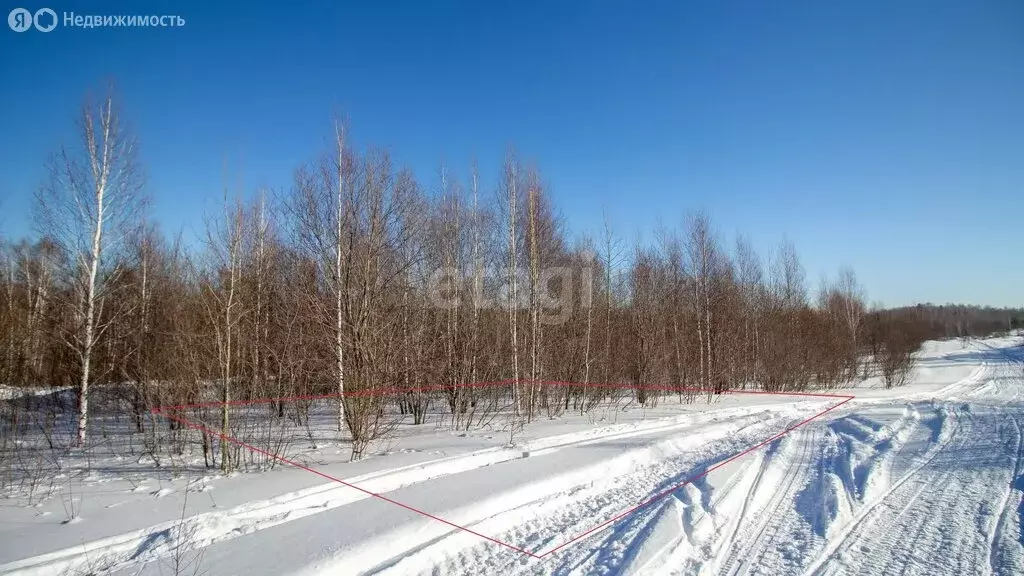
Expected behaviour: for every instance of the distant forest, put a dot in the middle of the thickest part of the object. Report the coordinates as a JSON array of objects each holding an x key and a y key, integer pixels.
[{"x": 956, "y": 320}]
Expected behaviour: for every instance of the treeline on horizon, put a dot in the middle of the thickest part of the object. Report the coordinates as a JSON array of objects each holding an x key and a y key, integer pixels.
[
  {"x": 959, "y": 320},
  {"x": 358, "y": 278}
]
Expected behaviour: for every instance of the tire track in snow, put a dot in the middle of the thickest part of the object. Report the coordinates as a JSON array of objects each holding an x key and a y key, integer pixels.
[
  {"x": 998, "y": 557},
  {"x": 754, "y": 536},
  {"x": 866, "y": 513},
  {"x": 938, "y": 518},
  {"x": 539, "y": 523},
  {"x": 705, "y": 518},
  {"x": 211, "y": 527},
  {"x": 803, "y": 507}
]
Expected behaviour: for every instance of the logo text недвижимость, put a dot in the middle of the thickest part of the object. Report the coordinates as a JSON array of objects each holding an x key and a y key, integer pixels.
[{"x": 46, "y": 20}]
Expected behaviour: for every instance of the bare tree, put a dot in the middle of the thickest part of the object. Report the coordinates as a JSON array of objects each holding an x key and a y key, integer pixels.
[
  {"x": 511, "y": 178},
  {"x": 342, "y": 207},
  {"x": 90, "y": 204},
  {"x": 702, "y": 254},
  {"x": 534, "y": 244},
  {"x": 611, "y": 256},
  {"x": 853, "y": 305},
  {"x": 751, "y": 281},
  {"x": 223, "y": 304},
  {"x": 478, "y": 272},
  {"x": 322, "y": 208}
]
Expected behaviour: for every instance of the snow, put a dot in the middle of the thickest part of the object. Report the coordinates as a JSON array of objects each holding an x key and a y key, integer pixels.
[{"x": 922, "y": 479}]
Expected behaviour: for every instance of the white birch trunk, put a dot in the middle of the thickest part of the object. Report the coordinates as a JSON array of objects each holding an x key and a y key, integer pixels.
[
  {"x": 339, "y": 343},
  {"x": 101, "y": 171},
  {"x": 513, "y": 301}
]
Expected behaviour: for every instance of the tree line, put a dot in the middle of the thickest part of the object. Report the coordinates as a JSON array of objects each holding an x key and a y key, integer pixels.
[{"x": 358, "y": 278}]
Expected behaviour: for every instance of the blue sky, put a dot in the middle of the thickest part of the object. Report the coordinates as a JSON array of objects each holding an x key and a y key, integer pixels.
[{"x": 884, "y": 135}]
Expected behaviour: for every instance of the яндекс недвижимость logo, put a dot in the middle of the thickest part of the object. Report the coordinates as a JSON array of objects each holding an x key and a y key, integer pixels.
[
  {"x": 45, "y": 20},
  {"x": 20, "y": 19}
]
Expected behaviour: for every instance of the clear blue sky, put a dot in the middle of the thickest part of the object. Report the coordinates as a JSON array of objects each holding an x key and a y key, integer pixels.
[{"x": 886, "y": 135}]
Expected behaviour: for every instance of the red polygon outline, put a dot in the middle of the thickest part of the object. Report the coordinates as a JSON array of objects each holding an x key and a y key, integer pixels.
[{"x": 163, "y": 411}]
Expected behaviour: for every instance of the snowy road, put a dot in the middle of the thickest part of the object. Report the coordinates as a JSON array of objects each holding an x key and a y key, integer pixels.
[{"x": 923, "y": 480}]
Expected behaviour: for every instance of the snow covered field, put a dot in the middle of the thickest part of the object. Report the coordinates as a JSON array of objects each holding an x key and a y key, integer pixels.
[{"x": 924, "y": 479}]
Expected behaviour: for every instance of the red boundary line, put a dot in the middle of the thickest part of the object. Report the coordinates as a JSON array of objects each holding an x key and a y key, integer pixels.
[{"x": 163, "y": 411}]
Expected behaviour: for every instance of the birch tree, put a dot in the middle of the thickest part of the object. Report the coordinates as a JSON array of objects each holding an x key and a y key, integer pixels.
[
  {"x": 511, "y": 188},
  {"x": 751, "y": 280},
  {"x": 611, "y": 254},
  {"x": 91, "y": 202},
  {"x": 322, "y": 208},
  {"x": 853, "y": 310},
  {"x": 478, "y": 273},
  {"x": 702, "y": 254},
  {"x": 223, "y": 305},
  {"x": 534, "y": 294}
]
